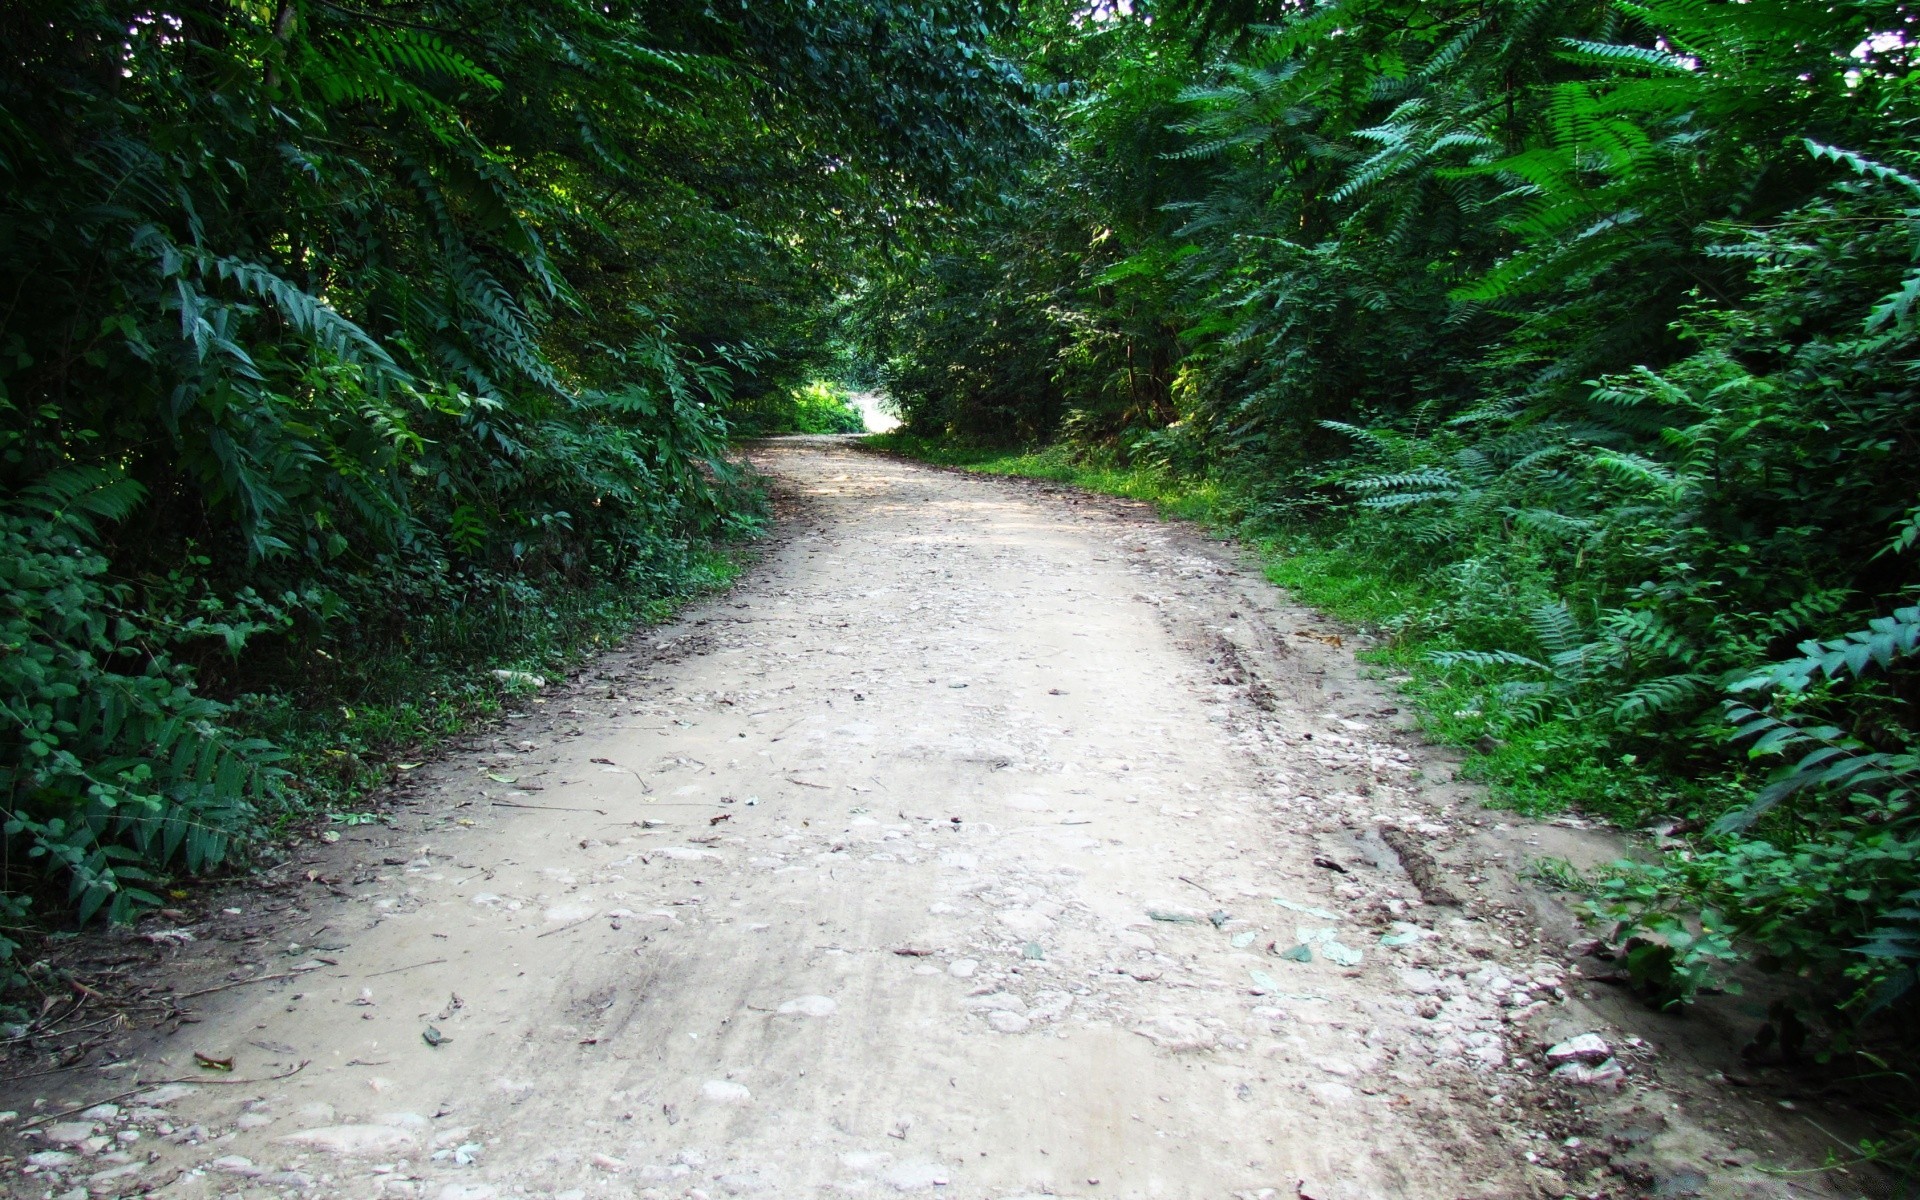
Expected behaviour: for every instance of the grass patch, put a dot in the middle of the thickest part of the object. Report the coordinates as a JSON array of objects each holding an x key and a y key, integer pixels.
[{"x": 1531, "y": 768}]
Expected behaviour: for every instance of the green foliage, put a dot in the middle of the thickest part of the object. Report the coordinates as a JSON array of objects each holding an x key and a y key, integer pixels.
[{"x": 818, "y": 406}]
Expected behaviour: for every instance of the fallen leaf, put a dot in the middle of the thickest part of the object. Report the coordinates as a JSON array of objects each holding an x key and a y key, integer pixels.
[
  {"x": 499, "y": 778},
  {"x": 433, "y": 1037},
  {"x": 211, "y": 1063}
]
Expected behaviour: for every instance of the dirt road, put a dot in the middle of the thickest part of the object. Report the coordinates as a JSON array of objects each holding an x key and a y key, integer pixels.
[{"x": 986, "y": 842}]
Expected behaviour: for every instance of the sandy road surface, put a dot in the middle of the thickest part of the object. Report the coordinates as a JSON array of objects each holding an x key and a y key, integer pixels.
[{"x": 955, "y": 853}]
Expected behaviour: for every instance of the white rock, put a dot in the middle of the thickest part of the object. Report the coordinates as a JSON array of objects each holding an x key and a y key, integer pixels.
[
  {"x": 102, "y": 1112},
  {"x": 234, "y": 1164},
  {"x": 1177, "y": 1033},
  {"x": 808, "y": 1006},
  {"x": 520, "y": 679},
  {"x": 963, "y": 968},
  {"x": 725, "y": 1091},
  {"x": 287, "y": 1179},
  {"x": 451, "y": 1137},
  {"x": 1027, "y": 922},
  {"x": 1589, "y": 1048},
  {"x": 68, "y": 1133},
  {"x": 1008, "y": 1022},
  {"x": 354, "y": 1140},
  {"x": 607, "y": 1162},
  {"x": 467, "y": 1191},
  {"x": 1607, "y": 1076},
  {"x": 48, "y": 1159}
]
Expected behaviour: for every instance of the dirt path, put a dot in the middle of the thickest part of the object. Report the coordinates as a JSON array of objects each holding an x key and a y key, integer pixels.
[{"x": 955, "y": 853}]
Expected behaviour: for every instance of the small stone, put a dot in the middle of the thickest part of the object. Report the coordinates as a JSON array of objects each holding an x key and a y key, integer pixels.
[
  {"x": 1026, "y": 922},
  {"x": 287, "y": 1179},
  {"x": 102, "y": 1112},
  {"x": 809, "y": 1006},
  {"x": 1176, "y": 1033},
  {"x": 167, "y": 1094},
  {"x": 726, "y": 1092},
  {"x": 1008, "y": 1022},
  {"x": 234, "y": 1164},
  {"x": 962, "y": 968},
  {"x": 354, "y": 1140},
  {"x": 1607, "y": 1076},
  {"x": 608, "y": 1163},
  {"x": 47, "y": 1160},
  {"x": 1587, "y": 1048},
  {"x": 68, "y": 1133}
]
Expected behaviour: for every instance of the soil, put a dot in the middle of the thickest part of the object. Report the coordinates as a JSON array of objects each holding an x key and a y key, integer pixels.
[{"x": 989, "y": 840}]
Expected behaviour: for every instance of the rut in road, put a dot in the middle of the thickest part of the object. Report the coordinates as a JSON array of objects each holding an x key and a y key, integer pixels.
[{"x": 981, "y": 844}]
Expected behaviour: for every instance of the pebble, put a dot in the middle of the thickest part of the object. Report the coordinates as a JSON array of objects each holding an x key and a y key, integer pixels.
[
  {"x": 1008, "y": 1022},
  {"x": 1179, "y": 1034},
  {"x": 726, "y": 1092},
  {"x": 68, "y": 1133},
  {"x": 1589, "y": 1048},
  {"x": 234, "y": 1164},
  {"x": 962, "y": 968},
  {"x": 353, "y": 1139},
  {"x": 996, "y": 1002},
  {"x": 1608, "y": 1076},
  {"x": 809, "y": 1006},
  {"x": 168, "y": 1093},
  {"x": 48, "y": 1159}
]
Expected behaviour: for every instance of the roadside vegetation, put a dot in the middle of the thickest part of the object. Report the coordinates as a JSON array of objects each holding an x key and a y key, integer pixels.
[
  {"x": 1571, "y": 346},
  {"x": 817, "y": 406}
]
